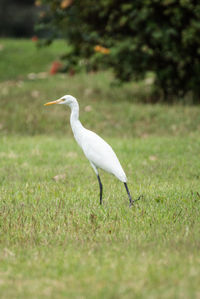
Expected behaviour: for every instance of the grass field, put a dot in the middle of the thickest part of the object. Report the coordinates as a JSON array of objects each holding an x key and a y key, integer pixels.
[{"x": 55, "y": 239}]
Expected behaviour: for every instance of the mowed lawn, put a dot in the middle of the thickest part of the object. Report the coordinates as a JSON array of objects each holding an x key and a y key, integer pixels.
[{"x": 55, "y": 239}]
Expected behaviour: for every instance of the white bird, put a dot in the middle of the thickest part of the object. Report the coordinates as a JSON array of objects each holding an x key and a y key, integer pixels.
[{"x": 99, "y": 153}]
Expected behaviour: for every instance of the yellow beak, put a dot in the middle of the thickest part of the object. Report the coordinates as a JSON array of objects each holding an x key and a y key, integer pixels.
[{"x": 53, "y": 102}]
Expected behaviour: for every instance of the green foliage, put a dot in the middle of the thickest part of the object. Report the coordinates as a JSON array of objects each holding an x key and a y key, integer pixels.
[{"x": 159, "y": 36}]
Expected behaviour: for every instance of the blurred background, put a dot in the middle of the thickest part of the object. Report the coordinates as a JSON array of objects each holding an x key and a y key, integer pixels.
[
  {"x": 142, "y": 55},
  {"x": 17, "y": 18}
]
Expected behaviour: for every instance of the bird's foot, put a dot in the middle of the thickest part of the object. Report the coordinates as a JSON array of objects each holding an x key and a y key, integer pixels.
[
  {"x": 133, "y": 201},
  {"x": 141, "y": 196}
]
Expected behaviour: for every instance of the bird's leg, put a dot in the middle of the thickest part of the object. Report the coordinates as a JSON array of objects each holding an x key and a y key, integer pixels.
[
  {"x": 101, "y": 188},
  {"x": 129, "y": 196},
  {"x": 99, "y": 180}
]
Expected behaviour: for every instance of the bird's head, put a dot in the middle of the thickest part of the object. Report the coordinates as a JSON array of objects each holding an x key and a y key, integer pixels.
[{"x": 67, "y": 100}]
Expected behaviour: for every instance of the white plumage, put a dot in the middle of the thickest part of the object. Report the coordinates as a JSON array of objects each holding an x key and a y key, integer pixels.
[
  {"x": 97, "y": 151},
  {"x": 100, "y": 154}
]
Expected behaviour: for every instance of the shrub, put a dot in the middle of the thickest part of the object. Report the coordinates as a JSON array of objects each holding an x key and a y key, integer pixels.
[{"x": 132, "y": 37}]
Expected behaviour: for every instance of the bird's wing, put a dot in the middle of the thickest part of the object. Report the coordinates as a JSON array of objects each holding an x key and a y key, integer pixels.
[{"x": 101, "y": 154}]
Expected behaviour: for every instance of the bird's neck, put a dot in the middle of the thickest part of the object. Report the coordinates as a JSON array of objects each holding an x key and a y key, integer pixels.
[{"x": 74, "y": 119}]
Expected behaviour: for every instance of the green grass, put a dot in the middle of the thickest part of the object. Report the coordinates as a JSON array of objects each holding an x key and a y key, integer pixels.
[
  {"x": 111, "y": 111},
  {"x": 21, "y": 57},
  {"x": 55, "y": 239}
]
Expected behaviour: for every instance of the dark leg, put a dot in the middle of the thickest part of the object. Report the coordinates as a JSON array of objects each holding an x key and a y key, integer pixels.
[
  {"x": 129, "y": 196},
  {"x": 101, "y": 189}
]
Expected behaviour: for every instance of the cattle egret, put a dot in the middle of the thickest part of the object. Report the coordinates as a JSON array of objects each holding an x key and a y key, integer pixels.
[{"x": 99, "y": 153}]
